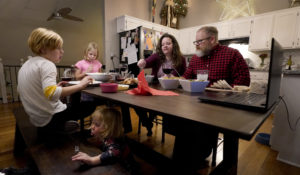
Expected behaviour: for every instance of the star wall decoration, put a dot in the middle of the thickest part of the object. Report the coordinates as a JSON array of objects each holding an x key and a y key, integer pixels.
[
  {"x": 235, "y": 8},
  {"x": 294, "y": 3}
]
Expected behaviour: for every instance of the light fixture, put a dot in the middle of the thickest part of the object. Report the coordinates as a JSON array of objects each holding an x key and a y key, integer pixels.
[{"x": 233, "y": 9}]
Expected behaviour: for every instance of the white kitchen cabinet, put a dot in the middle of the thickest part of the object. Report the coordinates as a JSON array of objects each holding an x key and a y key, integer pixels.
[
  {"x": 241, "y": 28},
  {"x": 223, "y": 30},
  {"x": 184, "y": 41},
  {"x": 286, "y": 29},
  {"x": 261, "y": 33},
  {"x": 186, "y": 38},
  {"x": 164, "y": 29},
  {"x": 125, "y": 23},
  {"x": 234, "y": 29}
]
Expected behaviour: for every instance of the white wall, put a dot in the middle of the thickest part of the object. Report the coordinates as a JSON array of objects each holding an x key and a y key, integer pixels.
[
  {"x": 96, "y": 13},
  {"x": 15, "y": 30},
  {"x": 209, "y": 11}
]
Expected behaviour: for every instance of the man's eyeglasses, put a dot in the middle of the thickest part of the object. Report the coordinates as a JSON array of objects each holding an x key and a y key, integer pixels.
[{"x": 198, "y": 42}]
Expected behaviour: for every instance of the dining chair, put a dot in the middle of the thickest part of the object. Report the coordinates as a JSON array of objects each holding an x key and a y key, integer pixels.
[{"x": 157, "y": 120}]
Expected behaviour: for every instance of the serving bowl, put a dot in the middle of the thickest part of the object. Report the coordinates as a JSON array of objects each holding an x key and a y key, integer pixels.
[
  {"x": 193, "y": 85},
  {"x": 109, "y": 87},
  {"x": 98, "y": 76},
  {"x": 149, "y": 78},
  {"x": 169, "y": 83}
]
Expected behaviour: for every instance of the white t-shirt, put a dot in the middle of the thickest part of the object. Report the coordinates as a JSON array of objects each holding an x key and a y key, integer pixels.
[{"x": 38, "y": 90}]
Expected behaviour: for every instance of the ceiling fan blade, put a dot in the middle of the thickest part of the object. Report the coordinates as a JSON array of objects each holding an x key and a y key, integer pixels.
[
  {"x": 50, "y": 17},
  {"x": 64, "y": 11},
  {"x": 74, "y": 18}
]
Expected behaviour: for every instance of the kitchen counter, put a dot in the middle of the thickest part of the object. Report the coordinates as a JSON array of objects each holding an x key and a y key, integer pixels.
[{"x": 291, "y": 72}]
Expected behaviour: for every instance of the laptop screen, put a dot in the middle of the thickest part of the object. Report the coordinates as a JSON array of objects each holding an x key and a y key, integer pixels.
[{"x": 275, "y": 71}]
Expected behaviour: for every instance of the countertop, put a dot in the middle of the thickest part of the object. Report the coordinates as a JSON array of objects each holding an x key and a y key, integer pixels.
[{"x": 291, "y": 72}]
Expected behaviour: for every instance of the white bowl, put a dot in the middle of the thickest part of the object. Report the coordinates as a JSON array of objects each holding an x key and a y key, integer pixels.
[
  {"x": 149, "y": 78},
  {"x": 168, "y": 83},
  {"x": 193, "y": 86},
  {"x": 104, "y": 77}
]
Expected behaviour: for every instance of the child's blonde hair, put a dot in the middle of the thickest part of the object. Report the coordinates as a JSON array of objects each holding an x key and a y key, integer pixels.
[
  {"x": 112, "y": 120},
  {"x": 42, "y": 38},
  {"x": 91, "y": 45}
]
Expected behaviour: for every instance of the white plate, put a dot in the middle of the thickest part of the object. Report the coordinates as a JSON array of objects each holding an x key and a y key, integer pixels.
[
  {"x": 77, "y": 82},
  {"x": 218, "y": 90}
]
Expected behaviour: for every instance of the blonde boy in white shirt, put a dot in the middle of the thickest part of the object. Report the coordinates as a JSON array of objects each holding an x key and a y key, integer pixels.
[{"x": 39, "y": 92}]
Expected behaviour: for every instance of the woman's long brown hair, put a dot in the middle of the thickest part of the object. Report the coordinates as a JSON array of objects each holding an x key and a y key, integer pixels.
[{"x": 176, "y": 53}]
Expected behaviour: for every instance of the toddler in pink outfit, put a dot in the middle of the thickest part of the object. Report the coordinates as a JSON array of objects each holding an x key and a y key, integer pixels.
[{"x": 89, "y": 64}]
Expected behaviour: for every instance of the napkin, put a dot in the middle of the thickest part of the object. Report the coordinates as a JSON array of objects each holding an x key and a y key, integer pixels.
[{"x": 144, "y": 89}]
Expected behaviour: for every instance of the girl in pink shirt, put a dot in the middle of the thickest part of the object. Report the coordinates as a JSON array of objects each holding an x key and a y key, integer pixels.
[{"x": 89, "y": 63}]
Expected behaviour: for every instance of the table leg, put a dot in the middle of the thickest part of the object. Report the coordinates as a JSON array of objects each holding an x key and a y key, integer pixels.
[
  {"x": 126, "y": 119},
  {"x": 230, "y": 156}
]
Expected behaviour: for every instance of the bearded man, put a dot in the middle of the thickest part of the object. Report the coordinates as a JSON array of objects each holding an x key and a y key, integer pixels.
[{"x": 222, "y": 62}]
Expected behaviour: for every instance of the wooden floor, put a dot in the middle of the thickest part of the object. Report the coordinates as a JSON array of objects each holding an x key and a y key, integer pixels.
[{"x": 254, "y": 158}]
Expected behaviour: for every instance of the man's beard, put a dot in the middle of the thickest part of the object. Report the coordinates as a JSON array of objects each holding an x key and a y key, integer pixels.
[{"x": 201, "y": 53}]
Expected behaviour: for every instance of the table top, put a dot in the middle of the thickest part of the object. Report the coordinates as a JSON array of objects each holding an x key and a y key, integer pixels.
[{"x": 186, "y": 105}]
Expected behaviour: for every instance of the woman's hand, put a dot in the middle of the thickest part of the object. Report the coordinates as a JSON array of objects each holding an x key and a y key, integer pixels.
[
  {"x": 141, "y": 63},
  {"x": 85, "y": 158}
]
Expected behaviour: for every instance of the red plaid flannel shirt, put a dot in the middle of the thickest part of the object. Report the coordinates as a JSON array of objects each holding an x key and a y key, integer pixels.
[{"x": 223, "y": 63}]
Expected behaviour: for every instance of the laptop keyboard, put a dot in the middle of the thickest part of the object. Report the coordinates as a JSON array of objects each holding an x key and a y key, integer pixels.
[{"x": 245, "y": 98}]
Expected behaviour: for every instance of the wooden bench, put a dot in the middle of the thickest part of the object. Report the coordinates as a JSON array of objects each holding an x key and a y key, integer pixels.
[{"x": 54, "y": 156}]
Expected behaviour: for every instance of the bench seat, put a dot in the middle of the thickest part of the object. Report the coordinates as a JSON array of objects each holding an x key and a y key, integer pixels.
[{"x": 54, "y": 156}]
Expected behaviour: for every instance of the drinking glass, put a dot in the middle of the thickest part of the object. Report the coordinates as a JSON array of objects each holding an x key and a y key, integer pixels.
[
  {"x": 167, "y": 69},
  {"x": 202, "y": 75}
]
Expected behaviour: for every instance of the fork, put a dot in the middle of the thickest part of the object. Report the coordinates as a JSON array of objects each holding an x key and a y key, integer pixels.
[{"x": 76, "y": 149}]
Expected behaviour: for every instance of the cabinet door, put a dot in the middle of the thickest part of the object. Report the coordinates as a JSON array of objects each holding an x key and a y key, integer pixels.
[
  {"x": 285, "y": 28},
  {"x": 192, "y": 47},
  {"x": 261, "y": 30},
  {"x": 297, "y": 39},
  {"x": 184, "y": 40},
  {"x": 223, "y": 30},
  {"x": 240, "y": 28},
  {"x": 120, "y": 24},
  {"x": 132, "y": 24}
]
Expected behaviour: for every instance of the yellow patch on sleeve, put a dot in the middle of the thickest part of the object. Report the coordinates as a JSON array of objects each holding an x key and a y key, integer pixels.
[{"x": 49, "y": 91}]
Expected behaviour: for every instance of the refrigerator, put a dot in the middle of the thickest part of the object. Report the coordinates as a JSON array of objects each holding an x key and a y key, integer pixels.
[{"x": 136, "y": 44}]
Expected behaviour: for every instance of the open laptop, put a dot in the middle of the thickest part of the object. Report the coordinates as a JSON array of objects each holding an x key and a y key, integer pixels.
[{"x": 252, "y": 101}]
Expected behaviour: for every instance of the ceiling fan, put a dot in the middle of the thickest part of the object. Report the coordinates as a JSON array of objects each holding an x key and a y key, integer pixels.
[{"x": 63, "y": 13}]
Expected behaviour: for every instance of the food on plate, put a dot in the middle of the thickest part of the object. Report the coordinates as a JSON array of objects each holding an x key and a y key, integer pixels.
[
  {"x": 122, "y": 87},
  {"x": 195, "y": 80},
  {"x": 221, "y": 84},
  {"x": 241, "y": 88},
  {"x": 171, "y": 78},
  {"x": 130, "y": 81}
]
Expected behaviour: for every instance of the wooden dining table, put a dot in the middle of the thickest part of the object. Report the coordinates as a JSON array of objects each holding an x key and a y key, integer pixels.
[{"x": 234, "y": 123}]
